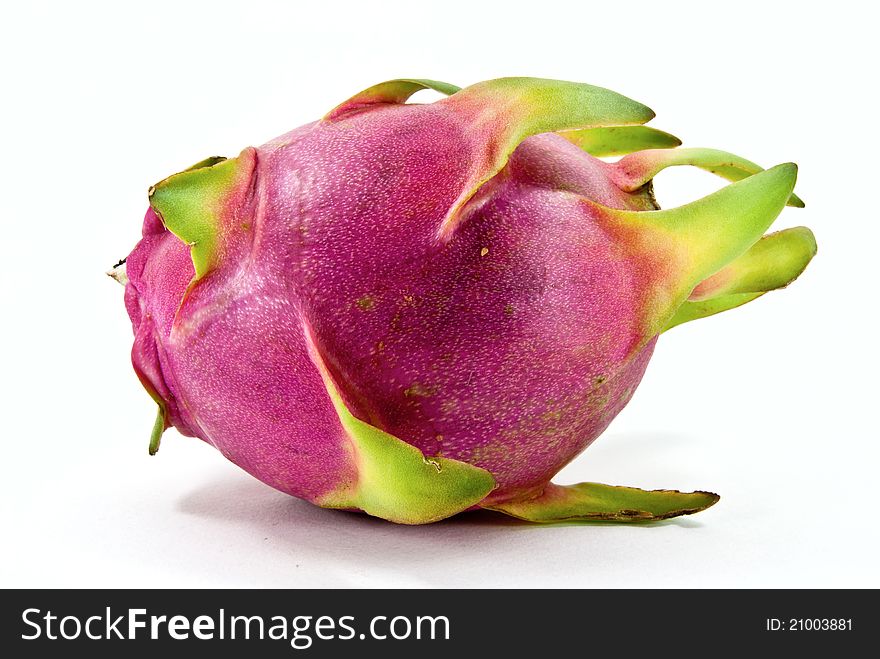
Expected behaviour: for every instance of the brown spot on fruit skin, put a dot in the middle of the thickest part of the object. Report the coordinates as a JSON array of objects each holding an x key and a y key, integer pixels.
[
  {"x": 508, "y": 309},
  {"x": 418, "y": 390},
  {"x": 366, "y": 303}
]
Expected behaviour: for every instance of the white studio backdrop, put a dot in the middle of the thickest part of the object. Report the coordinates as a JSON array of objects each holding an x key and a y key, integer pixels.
[{"x": 772, "y": 405}]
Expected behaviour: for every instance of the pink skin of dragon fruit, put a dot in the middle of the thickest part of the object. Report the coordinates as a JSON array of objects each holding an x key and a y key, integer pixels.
[{"x": 415, "y": 310}]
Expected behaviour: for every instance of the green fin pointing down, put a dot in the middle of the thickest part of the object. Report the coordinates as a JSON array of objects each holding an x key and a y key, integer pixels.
[
  {"x": 398, "y": 483},
  {"x": 159, "y": 426},
  {"x": 395, "y": 480},
  {"x": 594, "y": 502}
]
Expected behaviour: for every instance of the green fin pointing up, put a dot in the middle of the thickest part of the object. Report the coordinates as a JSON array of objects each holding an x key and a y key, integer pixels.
[
  {"x": 393, "y": 91},
  {"x": 689, "y": 243},
  {"x": 501, "y": 113},
  {"x": 200, "y": 205}
]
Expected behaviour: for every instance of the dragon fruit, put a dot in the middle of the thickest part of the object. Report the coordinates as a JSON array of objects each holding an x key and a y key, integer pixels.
[{"x": 414, "y": 310}]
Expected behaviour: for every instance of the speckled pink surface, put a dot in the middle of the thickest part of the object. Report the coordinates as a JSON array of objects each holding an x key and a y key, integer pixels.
[{"x": 511, "y": 344}]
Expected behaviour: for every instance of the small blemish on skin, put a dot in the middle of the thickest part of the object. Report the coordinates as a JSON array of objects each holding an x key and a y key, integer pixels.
[
  {"x": 245, "y": 226},
  {"x": 508, "y": 309},
  {"x": 484, "y": 251},
  {"x": 418, "y": 390},
  {"x": 151, "y": 191},
  {"x": 366, "y": 303},
  {"x": 599, "y": 379},
  {"x": 434, "y": 464},
  {"x": 552, "y": 416}
]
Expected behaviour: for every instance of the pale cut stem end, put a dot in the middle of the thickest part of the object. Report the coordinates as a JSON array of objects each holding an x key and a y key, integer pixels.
[{"x": 117, "y": 273}]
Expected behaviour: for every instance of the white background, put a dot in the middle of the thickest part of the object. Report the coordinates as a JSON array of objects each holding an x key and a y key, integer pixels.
[{"x": 772, "y": 405}]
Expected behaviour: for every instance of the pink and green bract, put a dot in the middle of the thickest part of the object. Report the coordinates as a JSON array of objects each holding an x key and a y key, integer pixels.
[{"x": 414, "y": 310}]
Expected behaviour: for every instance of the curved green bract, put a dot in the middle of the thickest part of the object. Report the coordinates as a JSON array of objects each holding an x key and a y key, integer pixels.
[
  {"x": 633, "y": 171},
  {"x": 515, "y": 108},
  {"x": 773, "y": 262},
  {"x": 159, "y": 426},
  {"x": 499, "y": 114},
  {"x": 696, "y": 309},
  {"x": 193, "y": 202},
  {"x": 620, "y": 140},
  {"x": 207, "y": 162},
  {"x": 395, "y": 480},
  {"x": 398, "y": 483},
  {"x": 392, "y": 91},
  {"x": 702, "y": 237},
  {"x": 594, "y": 502},
  {"x": 161, "y": 422},
  {"x": 718, "y": 228}
]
